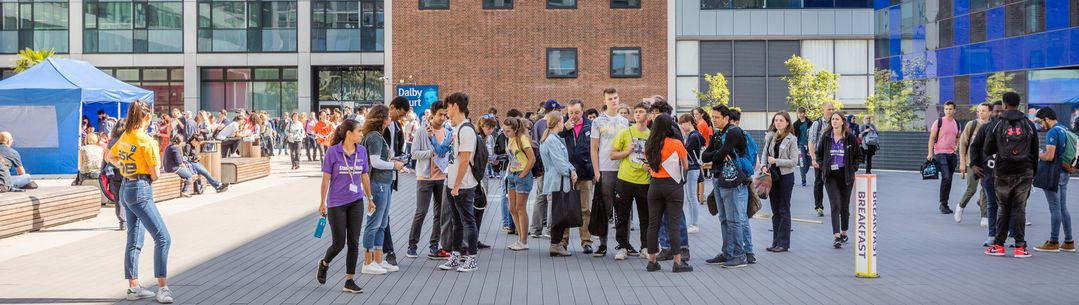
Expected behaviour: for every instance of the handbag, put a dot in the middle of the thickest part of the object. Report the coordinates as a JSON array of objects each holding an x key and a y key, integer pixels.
[
  {"x": 597, "y": 219},
  {"x": 566, "y": 208},
  {"x": 1047, "y": 176},
  {"x": 930, "y": 171},
  {"x": 763, "y": 184},
  {"x": 730, "y": 176},
  {"x": 480, "y": 201},
  {"x": 713, "y": 206},
  {"x": 754, "y": 205}
]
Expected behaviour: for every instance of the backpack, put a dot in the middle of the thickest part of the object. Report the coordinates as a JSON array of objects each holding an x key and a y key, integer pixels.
[
  {"x": 746, "y": 160},
  {"x": 957, "y": 126},
  {"x": 479, "y": 157},
  {"x": 1013, "y": 141},
  {"x": 871, "y": 138},
  {"x": 1067, "y": 156}
]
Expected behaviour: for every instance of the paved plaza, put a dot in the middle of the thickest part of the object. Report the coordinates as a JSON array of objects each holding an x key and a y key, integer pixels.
[{"x": 253, "y": 245}]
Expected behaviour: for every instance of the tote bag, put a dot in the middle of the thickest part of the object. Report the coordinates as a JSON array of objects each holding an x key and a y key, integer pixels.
[{"x": 566, "y": 208}]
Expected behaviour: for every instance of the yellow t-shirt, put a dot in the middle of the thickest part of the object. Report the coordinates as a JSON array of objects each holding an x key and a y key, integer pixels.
[
  {"x": 632, "y": 169},
  {"x": 137, "y": 153},
  {"x": 520, "y": 159}
]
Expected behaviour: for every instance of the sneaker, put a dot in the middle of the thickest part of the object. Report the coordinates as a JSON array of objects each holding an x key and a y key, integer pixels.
[
  {"x": 469, "y": 265},
  {"x": 412, "y": 252},
  {"x": 838, "y": 243},
  {"x": 665, "y": 255},
  {"x": 373, "y": 269},
  {"x": 391, "y": 258},
  {"x": 652, "y": 266},
  {"x": 988, "y": 242},
  {"x": 1049, "y": 246},
  {"x": 958, "y": 214},
  {"x": 452, "y": 263},
  {"x": 820, "y": 212},
  {"x": 512, "y": 231},
  {"x": 984, "y": 223},
  {"x": 224, "y": 187},
  {"x": 843, "y": 238},
  {"x": 751, "y": 259},
  {"x": 601, "y": 251},
  {"x": 682, "y": 267},
  {"x": 587, "y": 249},
  {"x": 136, "y": 293},
  {"x": 555, "y": 250},
  {"x": 513, "y": 244},
  {"x": 995, "y": 250},
  {"x": 633, "y": 252},
  {"x": 546, "y": 236},
  {"x": 351, "y": 287},
  {"x": 1068, "y": 246},
  {"x": 1022, "y": 252},
  {"x": 389, "y": 267},
  {"x": 504, "y": 229},
  {"x": 737, "y": 262},
  {"x": 620, "y": 255},
  {"x": 481, "y": 245},
  {"x": 718, "y": 260},
  {"x": 320, "y": 273},
  {"x": 534, "y": 235},
  {"x": 693, "y": 229},
  {"x": 685, "y": 255},
  {"x": 944, "y": 209},
  {"x": 519, "y": 246},
  {"x": 440, "y": 254},
  {"x": 164, "y": 295}
]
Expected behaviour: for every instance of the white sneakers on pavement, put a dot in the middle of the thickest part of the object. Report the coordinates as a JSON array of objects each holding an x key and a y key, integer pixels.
[
  {"x": 518, "y": 246},
  {"x": 164, "y": 295},
  {"x": 388, "y": 267},
  {"x": 373, "y": 269},
  {"x": 984, "y": 223},
  {"x": 620, "y": 255},
  {"x": 137, "y": 292},
  {"x": 693, "y": 229},
  {"x": 958, "y": 214}
]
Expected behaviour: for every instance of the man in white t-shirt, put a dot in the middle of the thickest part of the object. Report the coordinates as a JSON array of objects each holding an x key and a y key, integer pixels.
[
  {"x": 229, "y": 141},
  {"x": 461, "y": 187},
  {"x": 604, "y": 128}
]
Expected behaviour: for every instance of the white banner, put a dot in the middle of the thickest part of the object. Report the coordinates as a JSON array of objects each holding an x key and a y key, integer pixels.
[
  {"x": 31, "y": 126},
  {"x": 865, "y": 251}
]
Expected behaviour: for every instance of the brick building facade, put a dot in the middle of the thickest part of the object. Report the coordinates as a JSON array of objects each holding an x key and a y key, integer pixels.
[{"x": 499, "y": 56}]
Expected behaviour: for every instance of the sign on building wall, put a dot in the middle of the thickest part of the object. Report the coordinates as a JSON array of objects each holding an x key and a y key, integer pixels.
[{"x": 419, "y": 97}]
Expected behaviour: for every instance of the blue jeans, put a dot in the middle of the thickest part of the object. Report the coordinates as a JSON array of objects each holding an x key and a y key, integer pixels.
[
  {"x": 1058, "y": 210},
  {"x": 20, "y": 181},
  {"x": 806, "y": 162},
  {"x": 732, "y": 215},
  {"x": 692, "y": 204},
  {"x": 464, "y": 237},
  {"x": 374, "y": 232},
  {"x": 137, "y": 196},
  {"x": 185, "y": 173},
  {"x": 664, "y": 240},
  {"x": 507, "y": 219}
]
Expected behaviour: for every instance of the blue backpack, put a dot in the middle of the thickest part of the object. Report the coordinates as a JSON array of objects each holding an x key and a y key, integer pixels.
[{"x": 747, "y": 160}]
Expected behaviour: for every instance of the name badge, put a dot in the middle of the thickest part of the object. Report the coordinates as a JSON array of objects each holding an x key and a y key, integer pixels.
[
  {"x": 353, "y": 188},
  {"x": 835, "y": 166}
]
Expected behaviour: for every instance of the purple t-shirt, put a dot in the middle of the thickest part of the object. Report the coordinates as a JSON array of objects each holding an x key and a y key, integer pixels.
[
  {"x": 837, "y": 153},
  {"x": 337, "y": 164}
]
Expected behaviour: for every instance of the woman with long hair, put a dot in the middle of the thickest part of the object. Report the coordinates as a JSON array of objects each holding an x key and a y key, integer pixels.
[
  {"x": 382, "y": 168},
  {"x": 665, "y": 192},
  {"x": 694, "y": 143},
  {"x": 559, "y": 174},
  {"x": 519, "y": 179},
  {"x": 870, "y": 149},
  {"x": 294, "y": 134},
  {"x": 346, "y": 181},
  {"x": 838, "y": 156},
  {"x": 778, "y": 158},
  {"x": 703, "y": 122},
  {"x": 137, "y": 156}
]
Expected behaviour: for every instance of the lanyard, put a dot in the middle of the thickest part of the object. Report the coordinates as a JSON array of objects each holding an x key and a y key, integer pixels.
[{"x": 350, "y": 167}]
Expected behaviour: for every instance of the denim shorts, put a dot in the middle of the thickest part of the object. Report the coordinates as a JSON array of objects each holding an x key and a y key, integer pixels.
[{"x": 518, "y": 184}]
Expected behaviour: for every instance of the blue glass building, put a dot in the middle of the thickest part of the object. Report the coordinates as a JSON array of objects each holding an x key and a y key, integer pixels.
[{"x": 963, "y": 42}]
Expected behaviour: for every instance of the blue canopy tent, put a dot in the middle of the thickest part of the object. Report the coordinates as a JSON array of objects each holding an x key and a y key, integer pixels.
[{"x": 42, "y": 108}]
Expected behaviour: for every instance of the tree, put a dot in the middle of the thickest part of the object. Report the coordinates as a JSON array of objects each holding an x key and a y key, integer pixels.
[
  {"x": 810, "y": 88},
  {"x": 996, "y": 85},
  {"x": 891, "y": 103},
  {"x": 29, "y": 57},
  {"x": 717, "y": 94}
]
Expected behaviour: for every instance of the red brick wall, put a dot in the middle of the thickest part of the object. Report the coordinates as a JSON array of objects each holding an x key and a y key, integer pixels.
[{"x": 498, "y": 57}]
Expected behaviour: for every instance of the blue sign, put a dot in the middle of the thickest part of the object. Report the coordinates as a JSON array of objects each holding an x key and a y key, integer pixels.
[{"x": 419, "y": 97}]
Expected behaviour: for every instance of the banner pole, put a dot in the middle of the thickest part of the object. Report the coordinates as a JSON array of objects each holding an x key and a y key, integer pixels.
[{"x": 865, "y": 250}]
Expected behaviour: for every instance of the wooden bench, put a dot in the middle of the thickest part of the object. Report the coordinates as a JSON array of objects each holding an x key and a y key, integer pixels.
[
  {"x": 33, "y": 210},
  {"x": 236, "y": 170},
  {"x": 167, "y": 187}
]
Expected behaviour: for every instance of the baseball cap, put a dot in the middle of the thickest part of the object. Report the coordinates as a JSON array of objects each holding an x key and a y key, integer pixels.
[{"x": 552, "y": 104}]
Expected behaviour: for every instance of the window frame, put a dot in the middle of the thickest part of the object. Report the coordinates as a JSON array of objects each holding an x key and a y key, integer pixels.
[
  {"x": 548, "y": 5},
  {"x": 576, "y": 63},
  {"x": 249, "y": 25},
  {"x": 359, "y": 25},
  {"x": 423, "y": 7},
  {"x": 639, "y": 4},
  {"x": 640, "y": 60},
  {"x": 489, "y": 7},
  {"x": 134, "y": 27}
]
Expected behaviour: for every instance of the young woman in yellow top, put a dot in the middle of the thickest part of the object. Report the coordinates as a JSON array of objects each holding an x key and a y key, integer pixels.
[
  {"x": 136, "y": 155},
  {"x": 519, "y": 179}
]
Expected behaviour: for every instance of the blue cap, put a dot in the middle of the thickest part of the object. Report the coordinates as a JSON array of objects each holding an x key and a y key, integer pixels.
[{"x": 552, "y": 104}]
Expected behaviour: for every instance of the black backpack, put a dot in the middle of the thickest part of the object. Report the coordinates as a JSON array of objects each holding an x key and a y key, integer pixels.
[
  {"x": 1013, "y": 141},
  {"x": 479, "y": 157}
]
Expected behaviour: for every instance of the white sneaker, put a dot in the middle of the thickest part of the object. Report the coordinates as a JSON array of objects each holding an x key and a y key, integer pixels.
[
  {"x": 519, "y": 247},
  {"x": 136, "y": 293},
  {"x": 620, "y": 255},
  {"x": 958, "y": 214},
  {"x": 693, "y": 229},
  {"x": 1028, "y": 223},
  {"x": 452, "y": 263},
  {"x": 164, "y": 295},
  {"x": 512, "y": 245},
  {"x": 985, "y": 222},
  {"x": 469, "y": 265},
  {"x": 389, "y": 268},
  {"x": 373, "y": 269},
  {"x": 644, "y": 254}
]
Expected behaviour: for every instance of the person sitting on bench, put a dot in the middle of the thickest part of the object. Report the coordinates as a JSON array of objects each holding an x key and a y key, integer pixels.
[
  {"x": 176, "y": 162},
  {"x": 20, "y": 179}
]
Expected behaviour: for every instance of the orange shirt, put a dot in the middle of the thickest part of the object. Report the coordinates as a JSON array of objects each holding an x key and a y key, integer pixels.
[
  {"x": 323, "y": 131},
  {"x": 705, "y": 131},
  {"x": 670, "y": 146}
]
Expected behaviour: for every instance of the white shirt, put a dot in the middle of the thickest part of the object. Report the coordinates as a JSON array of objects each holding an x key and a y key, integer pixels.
[
  {"x": 466, "y": 141},
  {"x": 229, "y": 131},
  {"x": 605, "y": 128}
]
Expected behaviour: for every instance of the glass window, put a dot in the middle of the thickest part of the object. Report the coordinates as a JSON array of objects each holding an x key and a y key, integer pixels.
[
  {"x": 625, "y": 3},
  {"x": 715, "y": 4},
  {"x": 268, "y": 89},
  {"x": 39, "y": 24},
  {"x": 561, "y": 4},
  {"x": 977, "y": 27},
  {"x": 434, "y": 4},
  {"x": 497, "y": 4},
  {"x": 1015, "y": 20},
  {"x": 626, "y": 62},
  {"x": 945, "y": 35},
  {"x": 346, "y": 26},
  {"x": 1035, "y": 19},
  {"x": 133, "y": 27},
  {"x": 250, "y": 26},
  {"x": 561, "y": 63}
]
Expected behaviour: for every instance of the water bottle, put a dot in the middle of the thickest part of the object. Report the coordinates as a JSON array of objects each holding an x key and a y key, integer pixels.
[{"x": 320, "y": 227}]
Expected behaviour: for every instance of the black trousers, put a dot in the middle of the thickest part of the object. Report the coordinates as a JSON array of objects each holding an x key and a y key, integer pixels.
[
  {"x": 229, "y": 146},
  {"x": 427, "y": 192},
  {"x": 626, "y": 194},
  {"x": 868, "y": 153},
  {"x": 946, "y": 163},
  {"x": 294, "y": 152},
  {"x": 1012, "y": 192},
  {"x": 345, "y": 223},
  {"x": 818, "y": 189},
  {"x": 780, "y": 200},
  {"x": 664, "y": 194},
  {"x": 464, "y": 235},
  {"x": 839, "y": 199}
]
